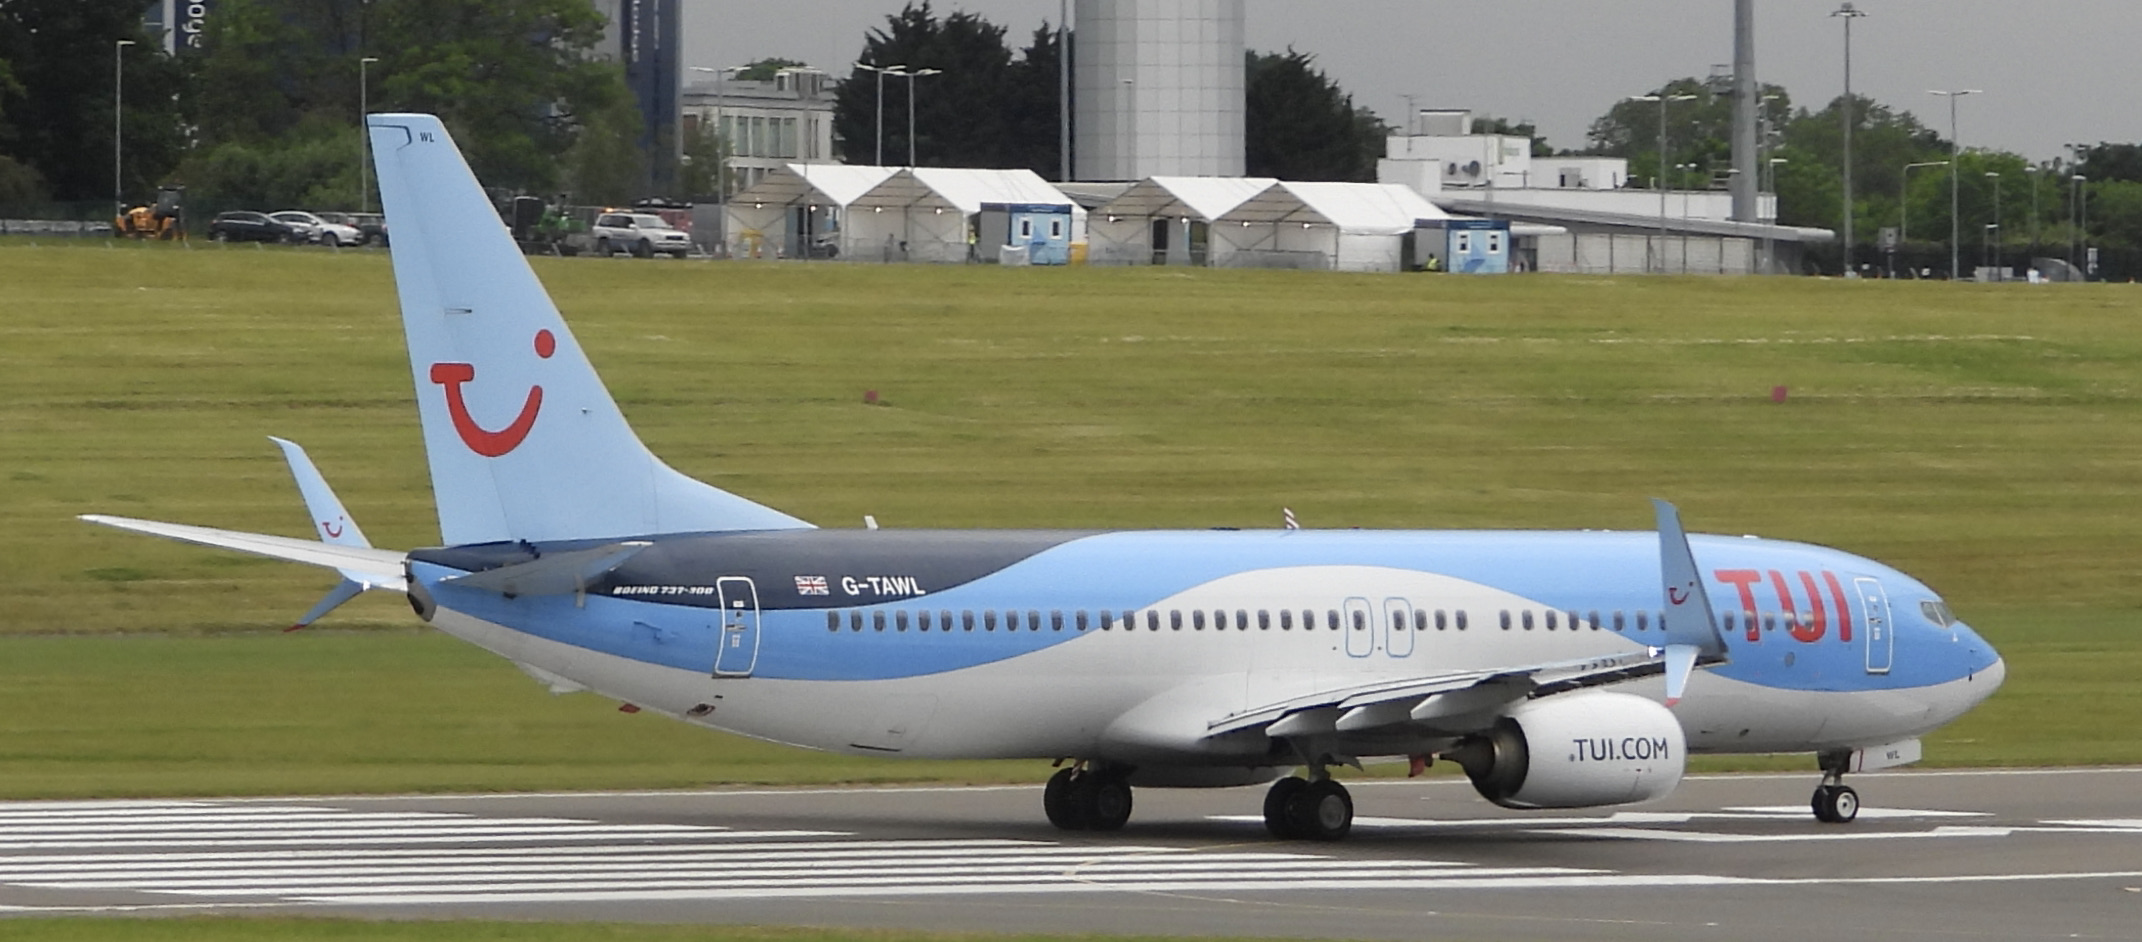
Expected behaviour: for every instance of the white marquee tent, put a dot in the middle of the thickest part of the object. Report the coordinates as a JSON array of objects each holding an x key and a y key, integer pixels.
[
  {"x": 1345, "y": 226},
  {"x": 1181, "y": 209}
]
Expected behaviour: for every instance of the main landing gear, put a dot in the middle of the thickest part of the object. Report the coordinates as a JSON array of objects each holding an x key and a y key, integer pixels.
[
  {"x": 1318, "y": 809},
  {"x": 1083, "y": 798},
  {"x": 1834, "y": 801}
]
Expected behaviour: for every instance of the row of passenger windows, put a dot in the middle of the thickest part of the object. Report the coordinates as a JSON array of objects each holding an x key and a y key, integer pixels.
[{"x": 1401, "y": 619}]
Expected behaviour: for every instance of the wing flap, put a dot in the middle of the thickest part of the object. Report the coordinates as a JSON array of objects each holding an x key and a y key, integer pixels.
[{"x": 554, "y": 574}]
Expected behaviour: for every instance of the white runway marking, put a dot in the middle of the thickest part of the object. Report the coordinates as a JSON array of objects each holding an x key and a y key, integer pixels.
[{"x": 185, "y": 855}]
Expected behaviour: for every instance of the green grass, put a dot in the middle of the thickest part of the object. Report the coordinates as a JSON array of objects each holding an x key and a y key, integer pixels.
[{"x": 1983, "y": 438}]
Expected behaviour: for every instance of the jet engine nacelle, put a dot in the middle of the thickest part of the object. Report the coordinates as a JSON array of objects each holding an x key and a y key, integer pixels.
[{"x": 1576, "y": 751}]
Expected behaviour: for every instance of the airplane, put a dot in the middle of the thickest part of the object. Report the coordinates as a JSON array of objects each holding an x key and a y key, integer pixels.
[{"x": 1556, "y": 669}]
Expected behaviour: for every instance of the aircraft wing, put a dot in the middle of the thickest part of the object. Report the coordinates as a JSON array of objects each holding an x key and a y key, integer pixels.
[
  {"x": 1427, "y": 699},
  {"x": 380, "y": 569}
]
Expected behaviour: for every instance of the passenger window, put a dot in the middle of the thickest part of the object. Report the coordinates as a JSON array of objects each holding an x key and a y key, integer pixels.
[
  {"x": 1441, "y": 622},
  {"x": 1107, "y": 623},
  {"x": 922, "y": 620},
  {"x": 1331, "y": 617},
  {"x": 1082, "y": 619},
  {"x": 1550, "y": 620},
  {"x": 1197, "y": 619},
  {"x": 1595, "y": 621},
  {"x": 1286, "y": 619},
  {"x": 1152, "y": 620},
  {"x": 832, "y": 621},
  {"x": 966, "y": 619},
  {"x": 989, "y": 620},
  {"x": 1526, "y": 618},
  {"x": 1033, "y": 621},
  {"x": 1642, "y": 620},
  {"x": 1264, "y": 619},
  {"x": 900, "y": 620},
  {"x": 877, "y": 621},
  {"x": 1241, "y": 620},
  {"x": 1618, "y": 623},
  {"x": 1461, "y": 619},
  {"x": 855, "y": 621},
  {"x": 1505, "y": 620}
]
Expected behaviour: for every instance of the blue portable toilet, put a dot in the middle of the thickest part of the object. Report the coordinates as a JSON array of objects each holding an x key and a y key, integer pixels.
[
  {"x": 1044, "y": 228},
  {"x": 1469, "y": 246}
]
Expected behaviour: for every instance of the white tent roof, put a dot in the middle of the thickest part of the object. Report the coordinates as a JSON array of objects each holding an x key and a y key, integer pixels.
[
  {"x": 962, "y": 188},
  {"x": 1363, "y": 208},
  {"x": 1201, "y": 198},
  {"x": 835, "y": 184}
]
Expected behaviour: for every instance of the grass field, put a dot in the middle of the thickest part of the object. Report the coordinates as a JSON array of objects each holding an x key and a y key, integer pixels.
[
  {"x": 242, "y": 929},
  {"x": 1984, "y": 438}
]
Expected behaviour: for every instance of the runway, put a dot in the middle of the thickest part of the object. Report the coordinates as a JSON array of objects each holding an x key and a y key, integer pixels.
[{"x": 1965, "y": 855}]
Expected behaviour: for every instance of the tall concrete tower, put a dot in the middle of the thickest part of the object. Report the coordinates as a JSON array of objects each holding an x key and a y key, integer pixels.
[
  {"x": 1158, "y": 88},
  {"x": 1746, "y": 149}
]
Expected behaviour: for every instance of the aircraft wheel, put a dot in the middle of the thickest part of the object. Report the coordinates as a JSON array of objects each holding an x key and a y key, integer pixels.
[
  {"x": 1056, "y": 801},
  {"x": 1108, "y": 803},
  {"x": 1276, "y": 800},
  {"x": 1322, "y": 811},
  {"x": 1835, "y": 804}
]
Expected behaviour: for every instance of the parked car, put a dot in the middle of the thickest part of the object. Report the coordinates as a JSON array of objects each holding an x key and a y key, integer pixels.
[
  {"x": 371, "y": 227},
  {"x": 315, "y": 229},
  {"x": 244, "y": 225},
  {"x": 642, "y": 234}
]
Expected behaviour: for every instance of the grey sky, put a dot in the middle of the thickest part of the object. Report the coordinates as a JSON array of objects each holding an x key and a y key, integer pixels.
[{"x": 2053, "y": 72}]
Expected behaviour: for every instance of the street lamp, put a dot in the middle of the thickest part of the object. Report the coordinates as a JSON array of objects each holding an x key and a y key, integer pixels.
[
  {"x": 1662, "y": 98},
  {"x": 911, "y": 77},
  {"x": 1903, "y": 198},
  {"x": 118, "y": 81},
  {"x": 364, "y": 138},
  {"x": 1955, "y": 154},
  {"x": 1993, "y": 257},
  {"x": 2082, "y": 224},
  {"x": 881, "y": 70},
  {"x": 1770, "y": 247},
  {"x": 1848, "y": 13},
  {"x": 723, "y": 142}
]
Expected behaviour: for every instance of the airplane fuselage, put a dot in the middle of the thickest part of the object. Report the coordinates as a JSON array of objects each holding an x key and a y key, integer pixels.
[{"x": 1131, "y": 645}]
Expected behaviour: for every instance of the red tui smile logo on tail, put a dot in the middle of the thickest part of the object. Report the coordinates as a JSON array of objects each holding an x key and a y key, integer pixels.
[{"x": 481, "y": 440}]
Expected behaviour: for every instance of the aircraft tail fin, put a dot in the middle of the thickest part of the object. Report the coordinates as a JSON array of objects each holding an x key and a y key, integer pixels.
[{"x": 524, "y": 441}]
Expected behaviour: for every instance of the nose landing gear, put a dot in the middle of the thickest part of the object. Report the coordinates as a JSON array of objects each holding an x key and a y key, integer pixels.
[{"x": 1834, "y": 801}]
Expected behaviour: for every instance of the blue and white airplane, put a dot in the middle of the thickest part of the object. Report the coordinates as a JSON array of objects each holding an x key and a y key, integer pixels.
[{"x": 1558, "y": 669}]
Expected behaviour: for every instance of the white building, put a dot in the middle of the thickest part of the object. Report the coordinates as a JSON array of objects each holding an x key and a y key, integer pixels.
[
  {"x": 1158, "y": 89},
  {"x": 767, "y": 124}
]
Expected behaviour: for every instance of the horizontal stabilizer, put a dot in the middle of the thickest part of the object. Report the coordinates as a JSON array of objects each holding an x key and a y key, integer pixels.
[
  {"x": 374, "y": 568},
  {"x": 552, "y": 574}
]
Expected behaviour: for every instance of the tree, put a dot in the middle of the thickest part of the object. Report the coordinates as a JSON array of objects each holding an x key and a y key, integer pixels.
[
  {"x": 513, "y": 80},
  {"x": 56, "y": 103},
  {"x": 1489, "y": 124},
  {"x": 1698, "y": 131},
  {"x": 968, "y": 115},
  {"x": 1300, "y": 125},
  {"x": 765, "y": 69}
]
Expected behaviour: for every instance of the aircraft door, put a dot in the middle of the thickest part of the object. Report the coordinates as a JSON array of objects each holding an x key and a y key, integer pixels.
[
  {"x": 1360, "y": 627},
  {"x": 1398, "y": 627},
  {"x": 739, "y": 633},
  {"x": 1881, "y": 638}
]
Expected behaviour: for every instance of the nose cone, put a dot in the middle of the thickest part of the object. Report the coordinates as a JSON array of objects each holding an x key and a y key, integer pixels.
[{"x": 1984, "y": 666}]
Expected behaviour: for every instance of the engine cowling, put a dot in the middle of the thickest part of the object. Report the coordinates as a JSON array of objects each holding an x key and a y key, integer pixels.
[{"x": 1576, "y": 751}]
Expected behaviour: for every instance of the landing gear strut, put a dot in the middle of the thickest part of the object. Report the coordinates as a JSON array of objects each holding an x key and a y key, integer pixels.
[
  {"x": 1834, "y": 801},
  {"x": 1080, "y": 798},
  {"x": 1317, "y": 808}
]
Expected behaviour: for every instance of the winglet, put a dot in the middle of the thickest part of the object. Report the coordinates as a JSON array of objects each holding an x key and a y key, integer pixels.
[
  {"x": 329, "y": 519},
  {"x": 1691, "y": 629}
]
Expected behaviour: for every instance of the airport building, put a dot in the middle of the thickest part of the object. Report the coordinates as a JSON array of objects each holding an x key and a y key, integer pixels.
[{"x": 768, "y": 124}]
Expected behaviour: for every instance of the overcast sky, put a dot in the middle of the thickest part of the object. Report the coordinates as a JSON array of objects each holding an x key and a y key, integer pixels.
[{"x": 2053, "y": 72}]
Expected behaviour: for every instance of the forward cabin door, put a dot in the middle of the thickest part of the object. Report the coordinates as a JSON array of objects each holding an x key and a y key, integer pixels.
[
  {"x": 739, "y": 635},
  {"x": 1881, "y": 639}
]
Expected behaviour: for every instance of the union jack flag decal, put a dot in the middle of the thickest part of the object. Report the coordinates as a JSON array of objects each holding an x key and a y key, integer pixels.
[{"x": 811, "y": 585}]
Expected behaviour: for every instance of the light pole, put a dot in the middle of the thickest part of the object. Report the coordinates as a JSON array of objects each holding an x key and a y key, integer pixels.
[
  {"x": 911, "y": 77},
  {"x": 881, "y": 70},
  {"x": 1993, "y": 234},
  {"x": 1063, "y": 91},
  {"x": 1662, "y": 98},
  {"x": 1955, "y": 154},
  {"x": 1903, "y": 198},
  {"x": 1684, "y": 170},
  {"x": 2082, "y": 223},
  {"x": 1130, "y": 141},
  {"x": 1770, "y": 245},
  {"x": 364, "y": 137},
  {"x": 1848, "y": 13},
  {"x": 118, "y": 81}
]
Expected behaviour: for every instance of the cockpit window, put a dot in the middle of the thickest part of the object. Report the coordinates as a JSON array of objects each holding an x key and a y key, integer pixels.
[{"x": 1937, "y": 613}]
